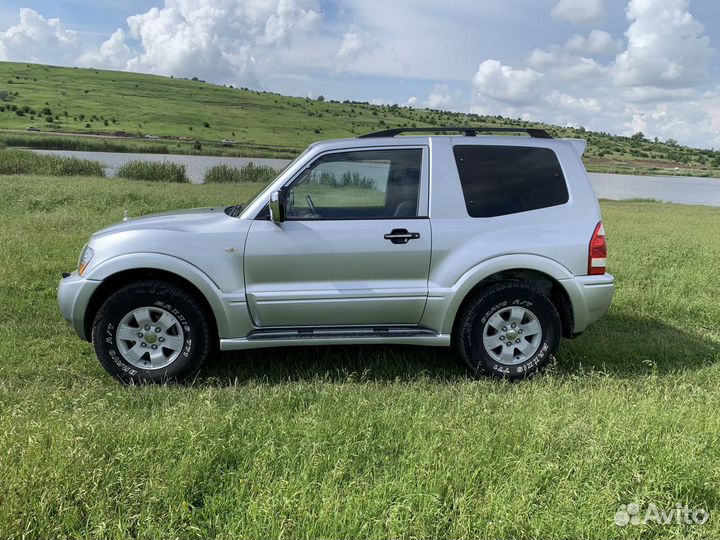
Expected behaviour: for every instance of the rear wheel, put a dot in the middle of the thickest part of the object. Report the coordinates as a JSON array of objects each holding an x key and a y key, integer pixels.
[
  {"x": 151, "y": 331},
  {"x": 510, "y": 330}
]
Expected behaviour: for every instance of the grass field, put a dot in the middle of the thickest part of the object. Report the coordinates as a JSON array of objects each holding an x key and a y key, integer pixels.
[
  {"x": 193, "y": 117},
  {"x": 249, "y": 172},
  {"x": 24, "y": 162},
  {"x": 153, "y": 171},
  {"x": 357, "y": 441}
]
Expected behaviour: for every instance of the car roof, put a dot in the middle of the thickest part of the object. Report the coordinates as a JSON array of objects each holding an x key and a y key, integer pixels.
[{"x": 412, "y": 140}]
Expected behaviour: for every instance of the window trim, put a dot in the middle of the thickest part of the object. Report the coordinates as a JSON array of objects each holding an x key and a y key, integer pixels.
[{"x": 423, "y": 190}]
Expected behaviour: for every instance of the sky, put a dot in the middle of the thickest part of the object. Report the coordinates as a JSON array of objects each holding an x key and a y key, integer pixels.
[{"x": 620, "y": 66}]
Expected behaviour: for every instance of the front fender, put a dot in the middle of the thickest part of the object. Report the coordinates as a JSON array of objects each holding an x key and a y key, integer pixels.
[
  {"x": 227, "y": 311},
  {"x": 444, "y": 301}
]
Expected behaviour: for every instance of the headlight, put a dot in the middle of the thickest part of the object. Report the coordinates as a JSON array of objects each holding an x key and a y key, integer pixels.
[{"x": 86, "y": 256}]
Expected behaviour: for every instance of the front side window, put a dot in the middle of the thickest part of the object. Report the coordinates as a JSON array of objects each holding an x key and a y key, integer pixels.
[
  {"x": 363, "y": 184},
  {"x": 500, "y": 180}
]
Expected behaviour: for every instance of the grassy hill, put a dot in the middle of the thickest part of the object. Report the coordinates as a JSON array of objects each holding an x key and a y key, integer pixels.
[{"x": 110, "y": 110}]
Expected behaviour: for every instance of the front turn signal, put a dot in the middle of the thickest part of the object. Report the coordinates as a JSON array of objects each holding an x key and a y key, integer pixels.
[{"x": 86, "y": 256}]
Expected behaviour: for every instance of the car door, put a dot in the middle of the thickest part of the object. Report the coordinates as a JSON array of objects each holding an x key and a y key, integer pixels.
[{"x": 354, "y": 248}]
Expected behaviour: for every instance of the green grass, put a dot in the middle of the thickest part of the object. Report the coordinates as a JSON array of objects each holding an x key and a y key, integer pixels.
[
  {"x": 154, "y": 171},
  {"x": 247, "y": 173},
  {"x": 357, "y": 441},
  {"x": 70, "y": 102},
  {"x": 24, "y": 162}
]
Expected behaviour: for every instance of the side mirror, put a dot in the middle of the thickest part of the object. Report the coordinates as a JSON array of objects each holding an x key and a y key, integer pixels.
[{"x": 277, "y": 207}]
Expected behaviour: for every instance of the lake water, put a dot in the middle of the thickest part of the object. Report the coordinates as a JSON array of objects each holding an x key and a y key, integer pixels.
[{"x": 677, "y": 189}]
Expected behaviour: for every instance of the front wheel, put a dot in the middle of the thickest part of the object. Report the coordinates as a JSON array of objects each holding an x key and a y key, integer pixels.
[
  {"x": 510, "y": 330},
  {"x": 151, "y": 331}
]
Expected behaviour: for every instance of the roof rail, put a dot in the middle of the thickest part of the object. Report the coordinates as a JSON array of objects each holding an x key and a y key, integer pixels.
[{"x": 468, "y": 131}]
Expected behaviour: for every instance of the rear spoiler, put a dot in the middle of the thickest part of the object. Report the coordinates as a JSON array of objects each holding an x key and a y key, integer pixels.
[{"x": 578, "y": 145}]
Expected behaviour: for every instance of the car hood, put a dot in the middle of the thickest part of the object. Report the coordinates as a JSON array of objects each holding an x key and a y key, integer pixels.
[{"x": 181, "y": 221}]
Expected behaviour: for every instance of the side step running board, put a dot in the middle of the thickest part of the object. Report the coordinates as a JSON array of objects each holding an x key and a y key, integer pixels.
[{"x": 341, "y": 332}]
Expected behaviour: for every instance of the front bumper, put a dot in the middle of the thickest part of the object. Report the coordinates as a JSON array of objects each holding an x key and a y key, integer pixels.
[
  {"x": 591, "y": 297},
  {"x": 74, "y": 293}
]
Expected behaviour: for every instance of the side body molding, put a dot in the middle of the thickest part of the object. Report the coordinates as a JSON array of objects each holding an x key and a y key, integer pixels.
[{"x": 229, "y": 309}]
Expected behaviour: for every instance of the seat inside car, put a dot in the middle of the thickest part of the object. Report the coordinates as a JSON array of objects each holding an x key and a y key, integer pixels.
[{"x": 402, "y": 191}]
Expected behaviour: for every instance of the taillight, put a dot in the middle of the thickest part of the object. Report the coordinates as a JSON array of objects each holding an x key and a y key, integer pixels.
[{"x": 597, "y": 252}]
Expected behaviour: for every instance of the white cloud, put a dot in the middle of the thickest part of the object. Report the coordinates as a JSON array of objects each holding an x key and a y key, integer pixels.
[
  {"x": 554, "y": 107},
  {"x": 352, "y": 44},
  {"x": 441, "y": 97},
  {"x": 506, "y": 84},
  {"x": 569, "y": 61},
  {"x": 650, "y": 94},
  {"x": 710, "y": 103},
  {"x": 651, "y": 85},
  {"x": 597, "y": 42},
  {"x": 579, "y": 11},
  {"x": 217, "y": 40},
  {"x": 438, "y": 101},
  {"x": 563, "y": 101},
  {"x": 666, "y": 47},
  {"x": 562, "y": 64},
  {"x": 37, "y": 39},
  {"x": 688, "y": 122},
  {"x": 284, "y": 17},
  {"x": 112, "y": 54},
  {"x": 695, "y": 122},
  {"x": 220, "y": 40},
  {"x": 421, "y": 39}
]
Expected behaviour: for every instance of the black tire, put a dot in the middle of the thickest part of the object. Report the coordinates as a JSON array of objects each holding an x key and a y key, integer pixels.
[
  {"x": 468, "y": 333},
  {"x": 188, "y": 311}
]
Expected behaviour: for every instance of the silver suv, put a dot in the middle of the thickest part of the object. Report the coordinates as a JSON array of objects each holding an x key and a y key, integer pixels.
[{"x": 491, "y": 244}]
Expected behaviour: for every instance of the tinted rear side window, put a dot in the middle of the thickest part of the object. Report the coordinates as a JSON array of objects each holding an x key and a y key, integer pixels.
[{"x": 498, "y": 180}]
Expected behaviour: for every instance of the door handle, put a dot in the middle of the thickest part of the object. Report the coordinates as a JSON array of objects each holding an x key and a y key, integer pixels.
[{"x": 401, "y": 236}]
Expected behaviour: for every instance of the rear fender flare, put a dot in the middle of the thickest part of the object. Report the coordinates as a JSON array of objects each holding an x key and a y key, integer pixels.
[{"x": 441, "y": 314}]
